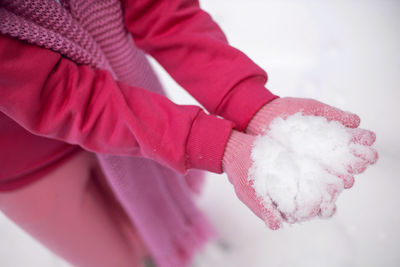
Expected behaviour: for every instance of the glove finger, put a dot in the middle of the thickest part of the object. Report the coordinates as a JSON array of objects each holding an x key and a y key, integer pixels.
[
  {"x": 348, "y": 119},
  {"x": 324, "y": 207},
  {"x": 305, "y": 212},
  {"x": 362, "y": 136},
  {"x": 357, "y": 166},
  {"x": 271, "y": 216},
  {"x": 348, "y": 179},
  {"x": 308, "y": 201},
  {"x": 328, "y": 206},
  {"x": 327, "y": 210},
  {"x": 263, "y": 208},
  {"x": 366, "y": 153}
]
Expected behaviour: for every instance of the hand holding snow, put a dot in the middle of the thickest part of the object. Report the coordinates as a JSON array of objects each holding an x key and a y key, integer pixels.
[{"x": 303, "y": 163}]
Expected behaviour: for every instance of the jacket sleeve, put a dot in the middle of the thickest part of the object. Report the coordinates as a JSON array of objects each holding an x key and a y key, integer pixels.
[
  {"x": 194, "y": 51},
  {"x": 51, "y": 96}
]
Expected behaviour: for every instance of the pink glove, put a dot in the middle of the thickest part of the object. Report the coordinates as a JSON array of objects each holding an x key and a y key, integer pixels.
[
  {"x": 283, "y": 107},
  {"x": 236, "y": 164}
]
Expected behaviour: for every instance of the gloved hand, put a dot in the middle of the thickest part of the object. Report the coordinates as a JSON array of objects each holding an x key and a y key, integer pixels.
[
  {"x": 237, "y": 160},
  {"x": 283, "y": 107},
  {"x": 236, "y": 164}
]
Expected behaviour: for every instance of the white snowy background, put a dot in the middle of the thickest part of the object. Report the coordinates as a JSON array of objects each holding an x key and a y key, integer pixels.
[{"x": 344, "y": 53}]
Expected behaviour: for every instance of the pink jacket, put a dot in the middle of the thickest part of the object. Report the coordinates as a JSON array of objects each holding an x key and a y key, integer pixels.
[
  {"x": 51, "y": 96},
  {"x": 75, "y": 79}
]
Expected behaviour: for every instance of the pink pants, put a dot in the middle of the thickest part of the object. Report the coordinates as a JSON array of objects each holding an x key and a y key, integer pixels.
[{"x": 72, "y": 212}]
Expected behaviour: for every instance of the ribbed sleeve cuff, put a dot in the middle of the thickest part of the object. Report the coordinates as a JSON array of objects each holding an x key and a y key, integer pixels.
[
  {"x": 244, "y": 101},
  {"x": 237, "y": 151},
  {"x": 206, "y": 142}
]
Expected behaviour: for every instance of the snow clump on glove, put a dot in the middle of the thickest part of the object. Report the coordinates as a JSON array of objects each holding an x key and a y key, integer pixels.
[{"x": 302, "y": 163}]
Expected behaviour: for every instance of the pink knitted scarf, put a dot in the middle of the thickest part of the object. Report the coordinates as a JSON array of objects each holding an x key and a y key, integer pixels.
[{"x": 156, "y": 199}]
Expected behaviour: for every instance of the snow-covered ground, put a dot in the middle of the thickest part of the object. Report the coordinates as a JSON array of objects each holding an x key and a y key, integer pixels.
[{"x": 344, "y": 53}]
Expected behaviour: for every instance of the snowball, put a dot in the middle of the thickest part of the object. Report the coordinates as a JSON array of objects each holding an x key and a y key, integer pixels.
[{"x": 297, "y": 164}]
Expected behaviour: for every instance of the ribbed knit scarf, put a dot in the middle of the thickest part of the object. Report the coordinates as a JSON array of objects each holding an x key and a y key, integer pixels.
[{"x": 156, "y": 199}]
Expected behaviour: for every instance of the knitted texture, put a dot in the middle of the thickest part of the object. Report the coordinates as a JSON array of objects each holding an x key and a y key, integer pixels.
[
  {"x": 236, "y": 164},
  {"x": 103, "y": 20},
  {"x": 285, "y": 106},
  {"x": 47, "y": 24},
  {"x": 92, "y": 32}
]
